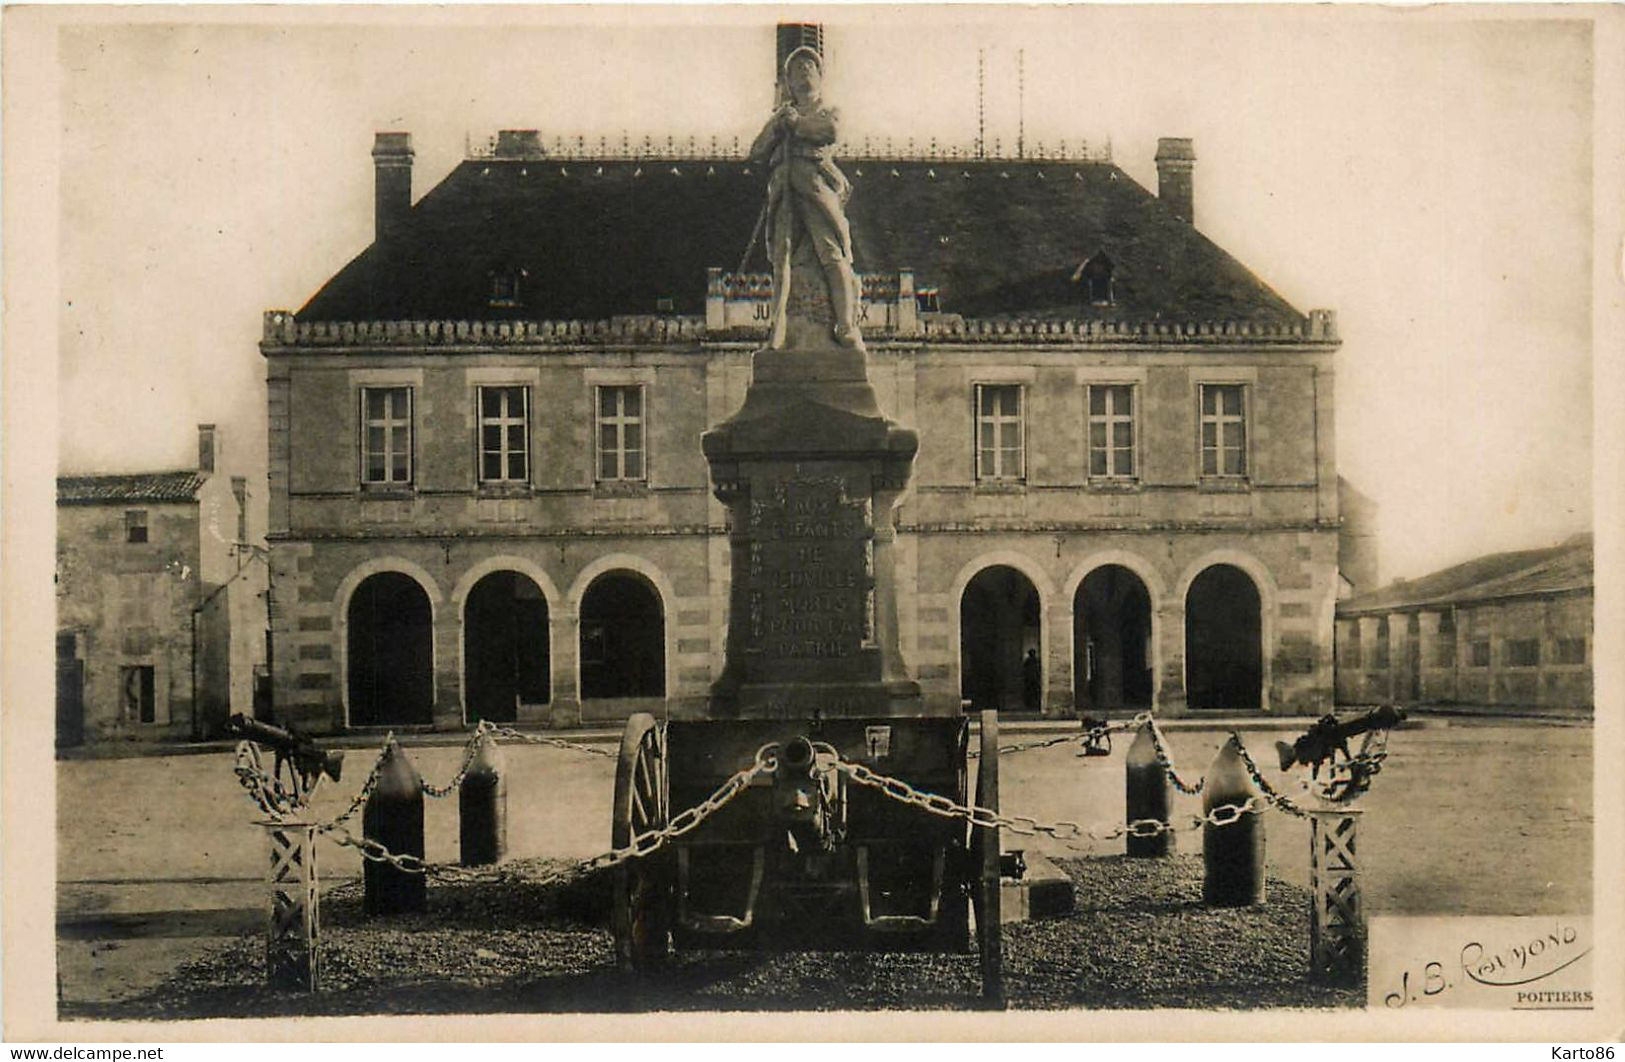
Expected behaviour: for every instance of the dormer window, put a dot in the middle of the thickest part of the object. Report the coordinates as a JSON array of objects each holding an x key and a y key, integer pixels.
[
  {"x": 1095, "y": 275},
  {"x": 665, "y": 304},
  {"x": 506, "y": 284},
  {"x": 925, "y": 299}
]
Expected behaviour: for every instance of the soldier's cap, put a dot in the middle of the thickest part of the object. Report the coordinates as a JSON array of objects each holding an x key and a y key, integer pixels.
[{"x": 807, "y": 50}]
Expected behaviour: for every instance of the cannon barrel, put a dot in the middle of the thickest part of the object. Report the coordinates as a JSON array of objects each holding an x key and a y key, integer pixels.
[
  {"x": 304, "y": 752},
  {"x": 795, "y": 758},
  {"x": 1317, "y": 743}
]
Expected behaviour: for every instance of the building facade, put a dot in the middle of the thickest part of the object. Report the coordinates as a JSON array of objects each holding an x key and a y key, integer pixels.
[
  {"x": 488, "y": 500},
  {"x": 1510, "y": 630},
  {"x": 160, "y": 603}
]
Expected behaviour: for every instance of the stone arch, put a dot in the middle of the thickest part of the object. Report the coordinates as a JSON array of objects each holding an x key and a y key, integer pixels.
[
  {"x": 506, "y": 647},
  {"x": 1124, "y": 559},
  {"x": 1268, "y": 593},
  {"x": 1114, "y": 642},
  {"x": 409, "y": 676},
  {"x": 1268, "y": 596},
  {"x": 505, "y": 562},
  {"x": 665, "y": 597},
  {"x": 551, "y": 596},
  {"x": 1035, "y": 576}
]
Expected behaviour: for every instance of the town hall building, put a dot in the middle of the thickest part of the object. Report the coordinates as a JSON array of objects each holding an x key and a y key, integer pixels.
[{"x": 488, "y": 498}]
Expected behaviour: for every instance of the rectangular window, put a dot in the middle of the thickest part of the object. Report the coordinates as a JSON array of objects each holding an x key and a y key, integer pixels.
[
  {"x": 504, "y": 434},
  {"x": 1571, "y": 650},
  {"x": 135, "y": 525},
  {"x": 1478, "y": 653},
  {"x": 621, "y": 444},
  {"x": 1000, "y": 442},
  {"x": 386, "y": 436},
  {"x": 1111, "y": 431},
  {"x": 1351, "y": 651},
  {"x": 1224, "y": 430},
  {"x": 1382, "y": 644},
  {"x": 1523, "y": 652},
  {"x": 140, "y": 705}
]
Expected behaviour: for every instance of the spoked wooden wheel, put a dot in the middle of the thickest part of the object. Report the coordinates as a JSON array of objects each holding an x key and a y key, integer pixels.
[
  {"x": 641, "y": 915},
  {"x": 984, "y": 844}
]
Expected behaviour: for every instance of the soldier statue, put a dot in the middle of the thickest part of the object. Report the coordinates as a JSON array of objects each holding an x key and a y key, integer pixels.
[{"x": 806, "y": 196}]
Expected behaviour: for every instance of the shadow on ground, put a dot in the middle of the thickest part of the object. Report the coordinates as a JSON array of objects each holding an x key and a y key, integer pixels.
[{"x": 1139, "y": 938}]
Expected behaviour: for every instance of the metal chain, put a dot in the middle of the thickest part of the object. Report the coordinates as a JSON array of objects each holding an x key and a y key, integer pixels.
[
  {"x": 1347, "y": 781},
  {"x": 263, "y": 788},
  {"x": 1005, "y": 750},
  {"x": 471, "y": 750},
  {"x": 1275, "y": 797},
  {"x": 642, "y": 845},
  {"x": 1166, "y": 761},
  {"x": 510, "y": 733},
  {"x": 1093, "y": 732},
  {"x": 1067, "y": 833},
  {"x": 367, "y": 787}
]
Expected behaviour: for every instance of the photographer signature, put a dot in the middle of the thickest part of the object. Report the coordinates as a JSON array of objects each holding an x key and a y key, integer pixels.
[{"x": 1524, "y": 963}]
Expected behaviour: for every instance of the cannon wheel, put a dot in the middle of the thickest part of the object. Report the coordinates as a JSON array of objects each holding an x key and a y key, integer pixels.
[
  {"x": 641, "y": 915},
  {"x": 985, "y": 867}
]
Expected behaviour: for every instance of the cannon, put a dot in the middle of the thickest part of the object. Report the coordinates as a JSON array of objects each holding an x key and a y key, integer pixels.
[
  {"x": 305, "y": 761},
  {"x": 1330, "y": 735},
  {"x": 805, "y": 859},
  {"x": 1097, "y": 737}
]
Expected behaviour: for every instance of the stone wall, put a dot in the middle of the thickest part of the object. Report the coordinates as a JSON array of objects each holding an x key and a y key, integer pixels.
[
  {"x": 130, "y": 604},
  {"x": 1278, "y": 525},
  {"x": 1294, "y": 573},
  {"x": 1464, "y": 654},
  {"x": 315, "y": 580}
]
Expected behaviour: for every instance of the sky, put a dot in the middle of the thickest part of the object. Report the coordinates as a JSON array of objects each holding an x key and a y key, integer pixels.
[{"x": 1428, "y": 176}]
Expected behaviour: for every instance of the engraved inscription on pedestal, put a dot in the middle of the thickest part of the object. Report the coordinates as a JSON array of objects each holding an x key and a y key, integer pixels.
[{"x": 811, "y": 570}]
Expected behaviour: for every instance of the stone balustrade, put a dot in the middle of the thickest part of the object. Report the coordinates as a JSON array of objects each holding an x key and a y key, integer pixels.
[
  {"x": 581, "y": 148},
  {"x": 889, "y": 315}
]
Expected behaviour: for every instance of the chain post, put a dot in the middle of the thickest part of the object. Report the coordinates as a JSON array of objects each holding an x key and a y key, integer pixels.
[
  {"x": 292, "y": 953},
  {"x": 482, "y": 805},
  {"x": 1233, "y": 834},
  {"x": 393, "y": 820},
  {"x": 1337, "y": 935},
  {"x": 1147, "y": 796}
]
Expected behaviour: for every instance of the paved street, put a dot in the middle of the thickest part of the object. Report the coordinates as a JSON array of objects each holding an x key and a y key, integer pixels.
[{"x": 159, "y": 855}]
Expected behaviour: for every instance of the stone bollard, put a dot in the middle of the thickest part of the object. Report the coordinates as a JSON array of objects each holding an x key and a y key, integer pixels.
[
  {"x": 482, "y": 807},
  {"x": 292, "y": 957},
  {"x": 1232, "y": 855},
  {"x": 1336, "y": 923},
  {"x": 394, "y": 818},
  {"x": 1148, "y": 795}
]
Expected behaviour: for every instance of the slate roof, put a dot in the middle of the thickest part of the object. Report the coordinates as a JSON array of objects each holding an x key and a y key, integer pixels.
[
  {"x": 1522, "y": 573},
  {"x": 596, "y": 239},
  {"x": 128, "y": 487}
]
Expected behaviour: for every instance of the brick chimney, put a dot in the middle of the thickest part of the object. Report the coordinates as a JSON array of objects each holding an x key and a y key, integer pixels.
[
  {"x": 206, "y": 446},
  {"x": 1176, "y": 182},
  {"x": 392, "y": 164}
]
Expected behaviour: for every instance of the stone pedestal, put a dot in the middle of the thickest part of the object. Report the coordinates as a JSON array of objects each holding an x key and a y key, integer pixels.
[{"x": 811, "y": 471}]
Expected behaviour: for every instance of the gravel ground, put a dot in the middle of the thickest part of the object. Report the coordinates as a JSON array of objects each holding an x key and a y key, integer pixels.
[{"x": 1139, "y": 938}]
